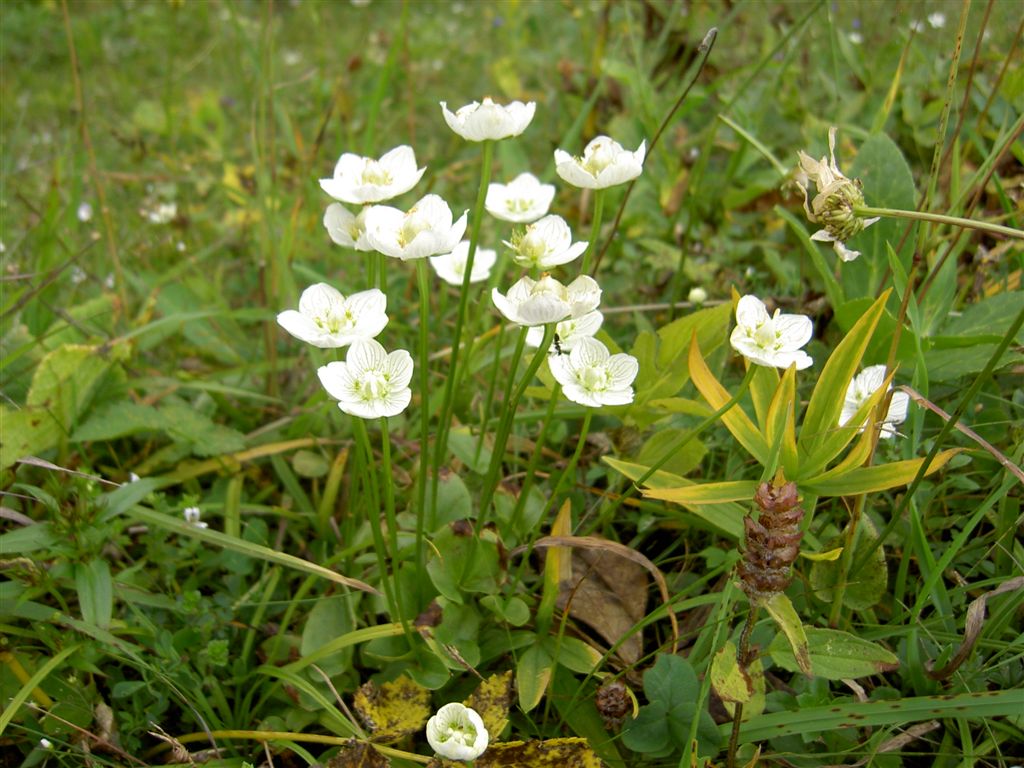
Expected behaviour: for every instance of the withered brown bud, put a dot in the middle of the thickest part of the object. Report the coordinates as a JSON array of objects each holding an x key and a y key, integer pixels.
[
  {"x": 613, "y": 703},
  {"x": 772, "y": 542}
]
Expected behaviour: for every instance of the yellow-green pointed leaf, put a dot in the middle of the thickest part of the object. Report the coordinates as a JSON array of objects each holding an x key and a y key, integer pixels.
[
  {"x": 871, "y": 479},
  {"x": 735, "y": 420},
  {"x": 707, "y": 493},
  {"x": 826, "y": 401},
  {"x": 782, "y": 611}
]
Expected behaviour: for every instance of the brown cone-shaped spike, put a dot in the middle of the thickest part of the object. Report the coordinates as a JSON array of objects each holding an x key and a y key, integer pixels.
[{"x": 772, "y": 542}]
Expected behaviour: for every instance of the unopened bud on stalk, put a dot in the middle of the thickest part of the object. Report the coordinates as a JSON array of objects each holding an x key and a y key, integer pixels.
[{"x": 772, "y": 542}]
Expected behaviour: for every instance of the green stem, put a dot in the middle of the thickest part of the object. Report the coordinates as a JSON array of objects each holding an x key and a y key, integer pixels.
[
  {"x": 423, "y": 280},
  {"x": 389, "y": 500},
  {"x": 508, "y": 417},
  {"x": 845, "y": 560},
  {"x": 692, "y": 434},
  {"x": 369, "y": 478},
  {"x": 491, "y": 387},
  {"x": 742, "y": 651},
  {"x": 531, "y": 467},
  {"x": 595, "y": 231},
  {"x": 571, "y": 466},
  {"x": 460, "y": 319},
  {"x": 938, "y": 218}
]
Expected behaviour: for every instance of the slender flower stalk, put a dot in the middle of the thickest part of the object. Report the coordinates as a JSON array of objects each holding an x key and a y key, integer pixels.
[
  {"x": 571, "y": 466},
  {"x": 372, "y": 487},
  {"x": 938, "y": 218},
  {"x": 595, "y": 231},
  {"x": 508, "y": 417},
  {"x": 389, "y": 514},
  {"x": 454, "y": 374},
  {"x": 531, "y": 467},
  {"x": 423, "y": 280}
]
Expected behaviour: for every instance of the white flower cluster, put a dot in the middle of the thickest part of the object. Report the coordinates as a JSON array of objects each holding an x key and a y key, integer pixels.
[{"x": 373, "y": 383}]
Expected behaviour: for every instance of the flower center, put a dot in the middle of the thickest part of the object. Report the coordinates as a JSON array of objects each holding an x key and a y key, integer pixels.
[
  {"x": 375, "y": 173},
  {"x": 594, "y": 379},
  {"x": 766, "y": 337},
  {"x": 412, "y": 225},
  {"x": 463, "y": 733},
  {"x": 519, "y": 205},
  {"x": 373, "y": 385},
  {"x": 599, "y": 158}
]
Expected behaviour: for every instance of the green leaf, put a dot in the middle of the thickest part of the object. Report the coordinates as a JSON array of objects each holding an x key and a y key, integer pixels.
[
  {"x": 453, "y": 501},
  {"x": 661, "y": 442},
  {"x": 986, "y": 321},
  {"x": 95, "y": 589},
  {"x": 663, "y": 724},
  {"x": 230, "y": 543},
  {"x": 727, "y": 517},
  {"x": 533, "y": 673},
  {"x": 866, "y": 587},
  {"x": 833, "y": 716},
  {"x": 738, "y": 686},
  {"x": 826, "y": 403},
  {"x": 888, "y": 183},
  {"x": 27, "y": 539},
  {"x": 671, "y": 362},
  {"x": 782, "y": 611},
  {"x": 573, "y": 654},
  {"x": 836, "y": 655},
  {"x": 331, "y": 617}
]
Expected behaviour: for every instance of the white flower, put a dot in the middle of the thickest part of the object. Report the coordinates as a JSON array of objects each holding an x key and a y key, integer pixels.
[
  {"x": 359, "y": 179},
  {"x": 568, "y": 331},
  {"x": 345, "y": 228},
  {"x": 545, "y": 244},
  {"x": 521, "y": 201},
  {"x": 191, "y": 515},
  {"x": 855, "y": 37},
  {"x": 770, "y": 340},
  {"x": 370, "y": 383},
  {"x": 937, "y": 20},
  {"x": 425, "y": 230},
  {"x": 457, "y": 732},
  {"x": 451, "y": 267},
  {"x": 84, "y": 212},
  {"x": 917, "y": 26},
  {"x": 133, "y": 478},
  {"x": 479, "y": 122},
  {"x": 861, "y": 388},
  {"x": 836, "y": 198},
  {"x": 45, "y": 744},
  {"x": 604, "y": 164},
  {"x": 590, "y": 376},
  {"x": 536, "y": 302},
  {"x": 163, "y": 213},
  {"x": 697, "y": 295},
  {"x": 326, "y": 319}
]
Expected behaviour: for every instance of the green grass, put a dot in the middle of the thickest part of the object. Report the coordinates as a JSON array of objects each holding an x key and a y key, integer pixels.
[{"x": 129, "y": 346}]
